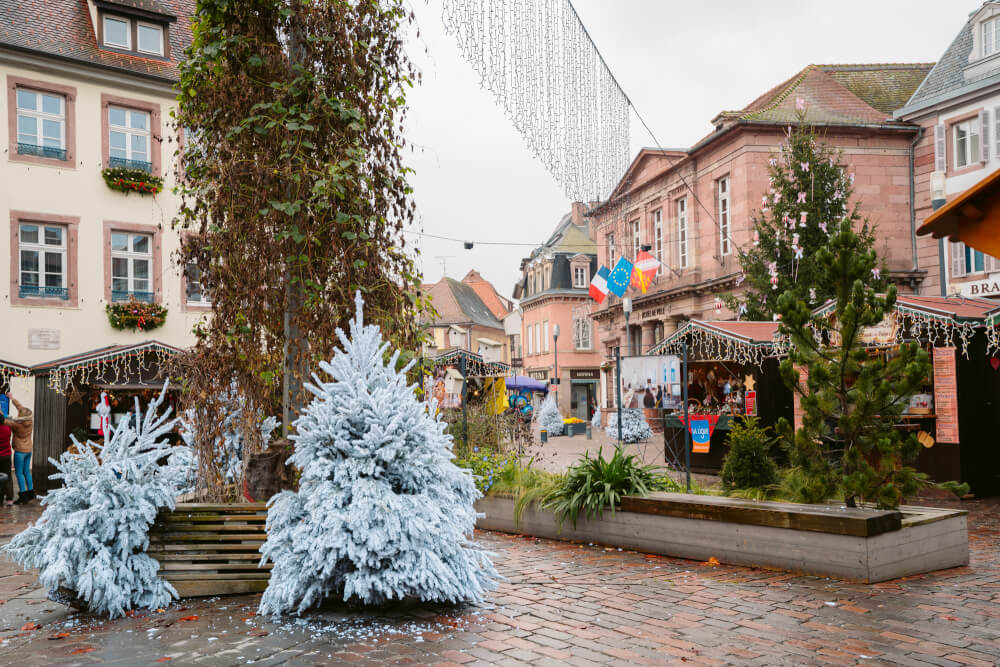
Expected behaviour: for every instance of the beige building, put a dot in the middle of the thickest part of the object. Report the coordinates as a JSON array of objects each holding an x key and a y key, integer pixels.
[{"x": 89, "y": 85}]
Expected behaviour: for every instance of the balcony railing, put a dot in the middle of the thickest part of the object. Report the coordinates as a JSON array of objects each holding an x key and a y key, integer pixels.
[
  {"x": 42, "y": 292},
  {"x": 122, "y": 295},
  {"x": 120, "y": 162},
  {"x": 41, "y": 151}
]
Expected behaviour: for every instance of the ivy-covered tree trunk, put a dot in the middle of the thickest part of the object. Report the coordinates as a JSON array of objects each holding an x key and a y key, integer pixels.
[
  {"x": 852, "y": 397},
  {"x": 809, "y": 191},
  {"x": 294, "y": 189}
]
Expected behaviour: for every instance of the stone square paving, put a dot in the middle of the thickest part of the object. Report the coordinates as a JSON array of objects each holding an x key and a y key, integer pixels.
[{"x": 562, "y": 603}]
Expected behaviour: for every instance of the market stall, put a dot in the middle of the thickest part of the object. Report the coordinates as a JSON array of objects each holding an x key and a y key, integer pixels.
[
  {"x": 9, "y": 371},
  {"x": 68, "y": 392},
  {"x": 732, "y": 369}
]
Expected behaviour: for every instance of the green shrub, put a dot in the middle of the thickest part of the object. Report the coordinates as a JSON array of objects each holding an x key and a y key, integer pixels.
[
  {"x": 748, "y": 464},
  {"x": 593, "y": 484},
  {"x": 487, "y": 466}
]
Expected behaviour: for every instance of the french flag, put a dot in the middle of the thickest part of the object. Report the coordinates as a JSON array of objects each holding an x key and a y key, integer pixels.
[{"x": 599, "y": 285}]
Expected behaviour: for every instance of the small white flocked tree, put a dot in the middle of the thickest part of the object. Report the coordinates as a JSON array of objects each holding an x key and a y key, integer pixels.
[
  {"x": 381, "y": 513},
  {"x": 595, "y": 421},
  {"x": 549, "y": 417},
  {"x": 92, "y": 537},
  {"x": 634, "y": 426}
]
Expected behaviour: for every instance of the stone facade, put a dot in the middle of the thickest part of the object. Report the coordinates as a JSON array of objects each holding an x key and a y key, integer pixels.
[{"x": 693, "y": 207}]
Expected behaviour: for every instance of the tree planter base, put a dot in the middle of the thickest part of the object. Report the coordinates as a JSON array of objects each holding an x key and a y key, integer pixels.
[{"x": 856, "y": 545}]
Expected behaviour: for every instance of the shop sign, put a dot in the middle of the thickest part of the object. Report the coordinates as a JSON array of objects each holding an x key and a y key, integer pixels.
[
  {"x": 883, "y": 333},
  {"x": 585, "y": 374},
  {"x": 43, "y": 339},
  {"x": 652, "y": 312},
  {"x": 979, "y": 288},
  {"x": 946, "y": 394},
  {"x": 751, "y": 403},
  {"x": 701, "y": 427},
  {"x": 539, "y": 375}
]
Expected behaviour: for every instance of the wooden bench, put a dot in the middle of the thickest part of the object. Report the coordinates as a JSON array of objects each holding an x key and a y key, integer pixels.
[{"x": 211, "y": 549}]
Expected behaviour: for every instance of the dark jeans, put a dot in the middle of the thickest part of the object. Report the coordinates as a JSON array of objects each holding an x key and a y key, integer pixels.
[{"x": 6, "y": 486}]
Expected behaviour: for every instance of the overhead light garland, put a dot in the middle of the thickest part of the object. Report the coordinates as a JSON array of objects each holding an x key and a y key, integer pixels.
[
  {"x": 544, "y": 70},
  {"x": 475, "y": 365},
  {"x": 9, "y": 371},
  {"x": 709, "y": 344},
  {"x": 114, "y": 367}
]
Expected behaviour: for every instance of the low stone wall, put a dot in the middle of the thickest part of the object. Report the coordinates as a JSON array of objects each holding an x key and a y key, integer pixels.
[{"x": 917, "y": 540}]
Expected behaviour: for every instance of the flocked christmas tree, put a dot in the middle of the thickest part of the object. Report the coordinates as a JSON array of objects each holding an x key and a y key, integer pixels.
[
  {"x": 851, "y": 397},
  {"x": 634, "y": 426},
  {"x": 90, "y": 542},
  {"x": 549, "y": 417},
  {"x": 595, "y": 421},
  {"x": 381, "y": 512},
  {"x": 808, "y": 192}
]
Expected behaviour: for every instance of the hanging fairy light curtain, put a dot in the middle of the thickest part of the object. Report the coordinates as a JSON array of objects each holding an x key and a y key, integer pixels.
[
  {"x": 475, "y": 365},
  {"x": 538, "y": 60},
  {"x": 10, "y": 370},
  {"x": 116, "y": 366},
  {"x": 709, "y": 344}
]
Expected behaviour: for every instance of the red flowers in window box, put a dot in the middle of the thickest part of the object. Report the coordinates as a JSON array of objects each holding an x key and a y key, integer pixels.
[{"x": 126, "y": 179}]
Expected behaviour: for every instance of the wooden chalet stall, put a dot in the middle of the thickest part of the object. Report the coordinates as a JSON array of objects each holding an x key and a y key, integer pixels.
[
  {"x": 741, "y": 355},
  {"x": 68, "y": 390}
]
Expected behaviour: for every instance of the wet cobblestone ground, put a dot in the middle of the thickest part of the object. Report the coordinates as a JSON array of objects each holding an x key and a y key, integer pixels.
[{"x": 562, "y": 604}]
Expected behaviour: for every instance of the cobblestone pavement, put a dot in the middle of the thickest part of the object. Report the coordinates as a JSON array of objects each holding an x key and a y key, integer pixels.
[{"x": 563, "y": 603}]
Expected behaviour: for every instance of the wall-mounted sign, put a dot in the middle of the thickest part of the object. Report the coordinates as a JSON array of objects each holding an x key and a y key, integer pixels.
[
  {"x": 43, "y": 339},
  {"x": 989, "y": 286},
  {"x": 751, "y": 403},
  {"x": 701, "y": 427},
  {"x": 946, "y": 394},
  {"x": 585, "y": 374}
]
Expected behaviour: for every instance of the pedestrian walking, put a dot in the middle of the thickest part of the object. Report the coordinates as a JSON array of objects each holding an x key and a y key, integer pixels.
[
  {"x": 6, "y": 456},
  {"x": 21, "y": 428}
]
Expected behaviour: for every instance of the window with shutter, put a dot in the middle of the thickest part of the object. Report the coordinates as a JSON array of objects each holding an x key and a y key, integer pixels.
[
  {"x": 939, "y": 147},
  {"x": 957, "y": 259},
  {"x": 996, "y": 131},
  {"x": 984, "y": 123}
]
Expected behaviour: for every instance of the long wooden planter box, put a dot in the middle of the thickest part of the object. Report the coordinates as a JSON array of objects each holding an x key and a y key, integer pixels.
[
  {"x": 211, "y": 549},
  {"x": 857, "y": 545}
]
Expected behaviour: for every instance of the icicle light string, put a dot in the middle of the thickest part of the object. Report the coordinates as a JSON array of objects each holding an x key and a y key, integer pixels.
[
  {"x": 112, "y": 368},
  {"x": 539, "y": 62}
]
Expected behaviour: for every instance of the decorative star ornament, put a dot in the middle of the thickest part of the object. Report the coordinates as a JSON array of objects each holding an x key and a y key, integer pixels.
[
  {"x": 75, "y": 396},
  {"x": 749, "y": 382}
]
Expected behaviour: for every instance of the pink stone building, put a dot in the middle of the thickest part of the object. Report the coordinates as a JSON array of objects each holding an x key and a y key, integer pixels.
[
  {"x": 693, "y": 206},
  {"x": 554, "y": 292}
]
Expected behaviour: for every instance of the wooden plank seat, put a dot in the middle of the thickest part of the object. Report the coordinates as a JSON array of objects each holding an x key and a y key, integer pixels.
[{"x": 211, "y": 548}]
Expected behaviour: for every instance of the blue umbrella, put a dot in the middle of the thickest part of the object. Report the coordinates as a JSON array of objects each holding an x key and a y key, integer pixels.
[{"x": 520, "y": 382}]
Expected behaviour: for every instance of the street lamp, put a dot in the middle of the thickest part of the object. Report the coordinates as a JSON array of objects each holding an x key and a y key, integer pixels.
[
  {"x": 555, "y": 351},
  {"x": 627, "y": 308}
]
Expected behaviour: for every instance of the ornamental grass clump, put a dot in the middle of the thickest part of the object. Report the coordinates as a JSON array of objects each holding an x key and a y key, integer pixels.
[{"x": 594, "y": 484}]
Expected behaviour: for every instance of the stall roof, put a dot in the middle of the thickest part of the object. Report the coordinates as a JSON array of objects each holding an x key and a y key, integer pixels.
[
  {"x": 745, "y": 342},
  {"x": 11, "y": 369},
  {"x": 959, "y": 308},
  {"x": 475, "y": 365},
  {"x": 973, "y": 217},
  {"x": 105, "y": 353}
]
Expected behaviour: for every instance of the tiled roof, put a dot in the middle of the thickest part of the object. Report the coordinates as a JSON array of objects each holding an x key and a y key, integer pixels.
[
  {"x": 457, "y": 303},
  {"x": 63, "y": 28},
  {"x": 837, "y": 94},
  {"x": 155, "y": 6},
  {"x": 487, "y": 293},
  {"x": 948, "y": 76}
]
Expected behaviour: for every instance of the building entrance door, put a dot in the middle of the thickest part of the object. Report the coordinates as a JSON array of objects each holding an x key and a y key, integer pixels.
[{"x": 581, "y": 398}]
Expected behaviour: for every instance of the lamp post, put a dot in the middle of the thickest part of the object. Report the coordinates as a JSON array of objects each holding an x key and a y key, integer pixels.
[
  {"x": 555, "y": 352},
  {"x": 627, "y": 309}
]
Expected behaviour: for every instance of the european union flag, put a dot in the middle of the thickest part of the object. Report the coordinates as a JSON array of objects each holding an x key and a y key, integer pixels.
[{"x": 620, "y": 277}]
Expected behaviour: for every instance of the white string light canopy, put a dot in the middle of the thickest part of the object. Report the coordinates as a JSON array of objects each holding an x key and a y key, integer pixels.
[{"x": 540, "y": 63}]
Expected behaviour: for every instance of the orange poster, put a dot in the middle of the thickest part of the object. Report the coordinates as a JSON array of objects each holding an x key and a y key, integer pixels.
[
  {"x": 797, "y": 399},
  {"x": 946, "y": 394}
]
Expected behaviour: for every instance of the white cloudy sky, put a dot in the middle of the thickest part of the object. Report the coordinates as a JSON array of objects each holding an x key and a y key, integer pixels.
[{"x": 679, "y": 62}]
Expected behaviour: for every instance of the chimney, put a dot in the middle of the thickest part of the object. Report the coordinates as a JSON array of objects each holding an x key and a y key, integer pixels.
[{"x": 578, "y": 210}]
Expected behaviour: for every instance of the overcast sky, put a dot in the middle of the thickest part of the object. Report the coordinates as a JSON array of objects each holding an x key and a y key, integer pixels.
[{"x": 679, "y": 62}]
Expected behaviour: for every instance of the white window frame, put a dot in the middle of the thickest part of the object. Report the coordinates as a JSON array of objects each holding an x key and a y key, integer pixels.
[
  {"x": 128, "y": 31},
  {"x": 545, "y": 336},
  {"x": 960, "y": 261},
  {"x": 682, "y": 233},
  {"x": 992, "y": 45},
  {"x": 528, "y": 341},
  {"x": 973, "y": 133},
  {"x": 725, "y": 217},
  {"x": 538, "y": 332},
  {"x": 131, "y": 256},
  {"x": 582, "y": 333},
  {"x": 611, "y": 250},
  {"x": 129, "y": 132},
  {"x": 40, "y": 248},
  {"x": 204, "y": 300},
  {"x": 579, "y": 276},
  {"x": 636, "y": 238},
  {"x": 154, "y": 26},
  {"x": 658, "y": 230},
  {"x": 40, "y": 116}
]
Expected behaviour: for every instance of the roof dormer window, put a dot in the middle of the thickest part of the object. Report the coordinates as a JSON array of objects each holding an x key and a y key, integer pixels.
[
  {"x": 991, "y": 36},
  {"x": 133, "y": 35}
]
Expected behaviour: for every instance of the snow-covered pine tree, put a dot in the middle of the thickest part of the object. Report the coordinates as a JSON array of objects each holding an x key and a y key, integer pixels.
[
  {"x": 808, "y": 196},
  {"x": 382, "y": 512},
  {"x": 634, "y": 426},
  {"x": 92, "y": 537},
  {"x": 549, "y": 417},
  {"x": 595, "y": 421}
]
